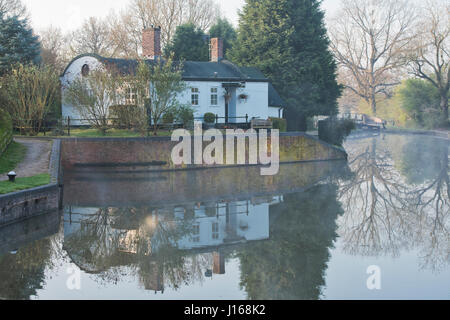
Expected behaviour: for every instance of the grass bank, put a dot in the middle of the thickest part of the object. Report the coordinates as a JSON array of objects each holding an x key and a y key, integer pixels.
[
  {"x": 24, "y": 183},
  {"x": 13, "y": 155},
  {"x": 113, "y": 133}
]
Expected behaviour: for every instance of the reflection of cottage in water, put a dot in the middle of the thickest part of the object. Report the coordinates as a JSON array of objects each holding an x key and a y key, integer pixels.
[{"x": 100, "y": 239}]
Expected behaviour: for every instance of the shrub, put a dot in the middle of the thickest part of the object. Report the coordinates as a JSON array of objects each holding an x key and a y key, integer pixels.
[
  {"x": 125, "y": 116},
  {"x": 280, "y": 124},
  {"x": 209, "y": 117},
  {"x": 185, "y": 115},
  {"x": 168, "y": 117},
  {"x": 5, "y": 130},
  {"x": 29, "y": 94},
  {"x": 335, "y": 131}
]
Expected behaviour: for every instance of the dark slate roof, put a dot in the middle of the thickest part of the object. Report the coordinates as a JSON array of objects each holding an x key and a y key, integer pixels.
[
  {"x": 274, "y": 98},
  {"x": 192, "y": 70}
]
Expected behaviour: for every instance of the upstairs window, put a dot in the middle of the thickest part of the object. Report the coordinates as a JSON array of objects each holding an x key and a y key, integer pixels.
[
  {"x": 214, "y": 97},
  {"x": 85, "y": 70},
  {"x": 195, "y": 96}
]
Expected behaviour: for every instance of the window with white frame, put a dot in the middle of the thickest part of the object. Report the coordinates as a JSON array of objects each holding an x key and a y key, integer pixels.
[
  {"x": 195, "y": 96},
  {"x": 196, "y": 233},
  {"x": 215, "y": 231},
  {"x": 130, "y": 96},
  {"x": 214, "y": 96}
]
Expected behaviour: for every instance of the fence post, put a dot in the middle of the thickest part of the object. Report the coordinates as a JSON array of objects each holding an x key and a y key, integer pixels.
[{"x": 68, "y": 126}]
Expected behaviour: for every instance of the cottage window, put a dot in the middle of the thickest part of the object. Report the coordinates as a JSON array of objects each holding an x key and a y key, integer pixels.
[
  {"x": 85, "y": 70},
  {"x": 215, "y": 231},
  {"x": 195, "y": 96},
  {"x": 214, "y": 97},
  {"x": 196, "y": 233},
  {"x": 130, "y": 96}
]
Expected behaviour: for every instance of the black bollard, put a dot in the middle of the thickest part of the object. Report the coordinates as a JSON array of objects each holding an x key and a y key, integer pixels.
[{"x": 12, "y": 176}]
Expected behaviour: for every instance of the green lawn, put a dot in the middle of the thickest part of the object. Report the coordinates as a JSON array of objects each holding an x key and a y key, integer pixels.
[
  {"x": 113, "y": 133},
  {"x": 24, "y": 183},
  {"x": 12, "y": 157}
]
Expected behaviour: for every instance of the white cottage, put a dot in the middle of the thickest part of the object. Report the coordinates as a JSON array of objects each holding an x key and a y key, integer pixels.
[{"x": 220, "y": 87}]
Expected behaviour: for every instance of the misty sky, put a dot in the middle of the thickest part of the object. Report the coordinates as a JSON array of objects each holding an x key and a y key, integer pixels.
[{"x": 69, "y": 14}]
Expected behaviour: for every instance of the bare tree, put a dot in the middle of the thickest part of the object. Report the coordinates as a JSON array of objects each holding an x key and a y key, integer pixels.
[
  {"x": 13, "y": 8},
  {"x": 127, "y": 26},
  {"x": 92, "y": 37},
  {"x": 369, "y": 39},
  {"x": 431, "y": 57},
  {"x": 30, "y": 91},
  {"x": 93, "y": 95},
  {"x": 53, "y": 44},
  {"x": 157, "y": 88}
]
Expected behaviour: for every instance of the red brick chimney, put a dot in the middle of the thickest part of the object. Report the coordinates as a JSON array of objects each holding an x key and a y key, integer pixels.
[
  {"x": 151, "y": 43},
  {"x": 216, "y": 49}
]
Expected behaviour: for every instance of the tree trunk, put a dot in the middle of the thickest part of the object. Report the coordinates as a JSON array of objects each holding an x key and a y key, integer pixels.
[
  {"x": 444, "y": 108},
  {"x": 373, "y": 104}
]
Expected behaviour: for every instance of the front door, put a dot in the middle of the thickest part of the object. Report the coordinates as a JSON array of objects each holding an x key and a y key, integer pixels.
[{"x": 230, "y": 105}]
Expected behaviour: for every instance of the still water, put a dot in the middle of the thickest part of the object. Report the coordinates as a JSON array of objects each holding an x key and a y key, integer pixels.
[{"x": 311, "y": 233}]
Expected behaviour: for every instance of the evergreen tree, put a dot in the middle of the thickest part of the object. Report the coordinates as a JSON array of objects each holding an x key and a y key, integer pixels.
[
  {"x": 224, "y": 30},
  {"x": 189, "y": 43},
  {"x": 287, "y": 40},
  {"x": 17, "y": 43}
]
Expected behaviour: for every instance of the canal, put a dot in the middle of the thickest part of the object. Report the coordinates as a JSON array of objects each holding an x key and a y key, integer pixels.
[{"x": 377, "y": 227}]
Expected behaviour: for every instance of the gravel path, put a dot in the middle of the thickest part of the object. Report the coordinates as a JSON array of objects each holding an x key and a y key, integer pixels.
[{"x": 36, "y": 159}]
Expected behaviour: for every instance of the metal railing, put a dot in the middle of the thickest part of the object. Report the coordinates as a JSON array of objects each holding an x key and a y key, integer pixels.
[{"x": 66, "y": 125}]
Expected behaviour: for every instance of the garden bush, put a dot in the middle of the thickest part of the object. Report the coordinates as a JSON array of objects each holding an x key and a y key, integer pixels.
[
  {"x": 185, "y": 115},
  {"x": 168, "y": 117},
  {"x": 280, "y": 124},
  {"x": 335, "y": 131},
  {"x": 126, "y": 116},
  {"x": 5, "y": 130},
  {"x": 209, "y": 117}
]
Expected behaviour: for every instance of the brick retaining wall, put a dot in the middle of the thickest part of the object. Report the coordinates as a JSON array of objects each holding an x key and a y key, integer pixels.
[{"x": 155, "y": 153}]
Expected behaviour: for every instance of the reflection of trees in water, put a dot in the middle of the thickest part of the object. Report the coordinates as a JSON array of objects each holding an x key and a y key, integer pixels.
[
  {"x": 23, "y": 273},
  {"x": 291, "y": 265},
  {"x": 397, "y": 198},
  {"x": 374, "y": 202},
  {"x": 117, "y": 242},
  {"x": 430, "y": 199}
]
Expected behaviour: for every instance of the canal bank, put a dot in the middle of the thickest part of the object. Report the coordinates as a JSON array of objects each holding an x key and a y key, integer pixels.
[
  {"x": 433, "y": 133},
  {"x": 22, "y": 205}
]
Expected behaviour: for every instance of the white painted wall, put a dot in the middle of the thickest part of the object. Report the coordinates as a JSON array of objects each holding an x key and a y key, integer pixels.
[
  {"x": 274, "y": 112},
  {"x": 251, "y": 226},
  {"x": 71, "y": 74},
  {"x": 257, "y": 104}
]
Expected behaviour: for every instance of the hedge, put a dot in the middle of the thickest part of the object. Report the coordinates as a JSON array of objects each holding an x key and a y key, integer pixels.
[
  {"x": 335, "y": 131},
  {"x": 280, "y": 124},
  {"x": 5, "y": 130}
]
